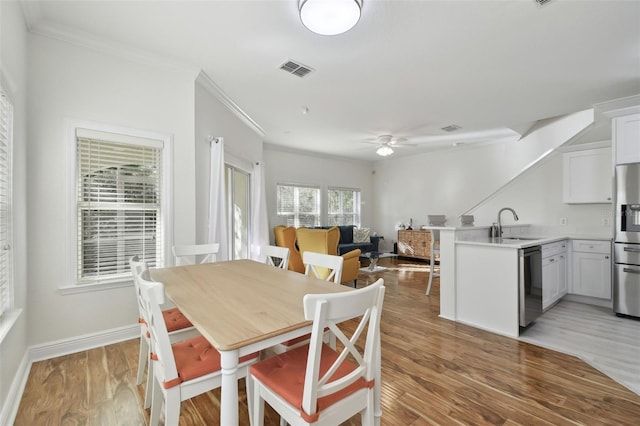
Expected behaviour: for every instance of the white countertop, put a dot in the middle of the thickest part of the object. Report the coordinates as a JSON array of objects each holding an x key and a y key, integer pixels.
[{"x": 527, "y": 241}]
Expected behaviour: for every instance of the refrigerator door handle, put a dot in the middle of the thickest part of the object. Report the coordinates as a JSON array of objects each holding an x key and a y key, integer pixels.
[
  {"x": 633, "y": 250},
  {"x": 634, "y": 271}
]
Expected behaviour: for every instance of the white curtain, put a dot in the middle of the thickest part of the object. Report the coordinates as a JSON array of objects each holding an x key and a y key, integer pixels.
[
  {"x": 259, "y": 223},
  {"x": 217, "y": 199}
]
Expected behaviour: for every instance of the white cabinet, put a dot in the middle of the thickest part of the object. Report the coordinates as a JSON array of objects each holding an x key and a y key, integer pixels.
[
  {"x": 626, "y": 137},
  {"x": 554, "y": 273},
  {"x": 592, "y": 268},
  {"x": 587, "y": 176}
]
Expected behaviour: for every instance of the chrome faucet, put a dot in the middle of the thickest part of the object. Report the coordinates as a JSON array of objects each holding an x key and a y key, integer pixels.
[{"x": 515, "y": 217}]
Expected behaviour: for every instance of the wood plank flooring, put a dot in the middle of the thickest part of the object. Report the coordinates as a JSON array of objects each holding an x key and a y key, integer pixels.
[{"x": 434, "y": 371}]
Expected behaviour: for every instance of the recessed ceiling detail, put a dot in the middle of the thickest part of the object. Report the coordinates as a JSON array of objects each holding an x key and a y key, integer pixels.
[
  {"x": 451, "y": 128},
  {"x": 295, "y": 68}
]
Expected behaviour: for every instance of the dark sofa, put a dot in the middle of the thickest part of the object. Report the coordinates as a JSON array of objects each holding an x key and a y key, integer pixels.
[{"x": 346, "y": 244}]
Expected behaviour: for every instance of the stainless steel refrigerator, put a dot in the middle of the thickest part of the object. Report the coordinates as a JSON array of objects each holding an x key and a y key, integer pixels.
[{"x": 626, "y": 275}]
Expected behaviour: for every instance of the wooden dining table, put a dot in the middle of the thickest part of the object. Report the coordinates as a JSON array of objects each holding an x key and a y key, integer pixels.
[{"x": 242, "y": 306}]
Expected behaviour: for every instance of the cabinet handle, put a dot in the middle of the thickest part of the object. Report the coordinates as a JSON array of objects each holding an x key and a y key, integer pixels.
[
  {"x": 634, "y": 271},
  {"x": 552, "y": 260},
  {"x": 606, "y": 257}
]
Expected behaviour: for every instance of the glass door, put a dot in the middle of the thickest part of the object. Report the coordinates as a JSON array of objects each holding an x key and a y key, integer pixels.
[{"x": 239, "y": 214}]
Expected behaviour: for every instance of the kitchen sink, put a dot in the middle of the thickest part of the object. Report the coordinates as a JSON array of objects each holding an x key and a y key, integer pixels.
[{"x": 522, "y": 238}]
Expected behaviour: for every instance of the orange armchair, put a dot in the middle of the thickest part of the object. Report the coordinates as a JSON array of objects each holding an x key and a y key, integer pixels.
[
  {"x": 326, "y": 241},
  {"x": 286, "y": 237}
]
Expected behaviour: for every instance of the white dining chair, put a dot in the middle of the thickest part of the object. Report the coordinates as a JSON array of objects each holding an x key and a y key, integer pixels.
[
  {"x": 184, "y": 369},
  {"x": 190, "y": 254},
  {"x": 315, "y": 384},
  {"x": 276, "y": 256},
  {"x": 318, "y": 264},
  {"x": 178, "y": 327}
]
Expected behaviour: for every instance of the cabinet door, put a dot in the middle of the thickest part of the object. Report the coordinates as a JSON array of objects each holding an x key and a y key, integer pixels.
[
  {"x": 592, "y": 274},
  {"x": 626, "y": 137},
  {"x": 420, "y": 244},
  {"x": 549, "y": 281},
  {"x": 587, "y": 176},
  {"x": 405, "y": 246},
  {"x": 562, "y": 275}
]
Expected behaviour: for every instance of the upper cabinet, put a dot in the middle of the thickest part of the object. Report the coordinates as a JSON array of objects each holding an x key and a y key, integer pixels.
[
  {"x": 626, "y": 137},
  {"x": 587, "y": 176}
]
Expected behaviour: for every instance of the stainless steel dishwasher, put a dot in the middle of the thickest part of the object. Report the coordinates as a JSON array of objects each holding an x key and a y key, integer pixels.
[{"x": 530, "y": 284}]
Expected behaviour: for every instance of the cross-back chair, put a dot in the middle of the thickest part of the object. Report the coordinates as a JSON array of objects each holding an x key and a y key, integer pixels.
[
  {"x": 178, "y": 327},
  {"x": 190, "y": 254},
  {"x": 317, "y": 265},
  {"x": 276, "y": 256},
  {"x": 315, "y": 384},
  {"x": 184, "y": 369}
]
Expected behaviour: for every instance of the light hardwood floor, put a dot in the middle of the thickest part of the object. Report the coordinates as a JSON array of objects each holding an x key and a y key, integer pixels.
[{"x": 434, "y": 371}]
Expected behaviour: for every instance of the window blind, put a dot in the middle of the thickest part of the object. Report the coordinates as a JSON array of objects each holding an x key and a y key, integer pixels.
[
  {"x": 119, "y": 204},
  {"x": 343, "y": 206},
  {"x": 299, "y": 205},
  {"x": 6, "y": 254}
]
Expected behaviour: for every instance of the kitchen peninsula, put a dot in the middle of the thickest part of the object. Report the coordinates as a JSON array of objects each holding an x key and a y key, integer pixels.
[{"x": 479, "y": 282}]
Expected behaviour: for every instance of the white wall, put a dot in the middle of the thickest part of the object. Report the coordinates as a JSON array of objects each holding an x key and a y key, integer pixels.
[
  {"x": 455, "y": 180},
  {"x": 67, "y": 81},
  {"x": 214, "y": 119},
  {"x": 536, "y": 196},
  {"x": 325, "y": 172},
  {"x": 13, "y": 66}
]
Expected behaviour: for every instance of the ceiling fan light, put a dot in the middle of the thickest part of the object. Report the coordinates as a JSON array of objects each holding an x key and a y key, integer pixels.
[
  {"x": 329, "y": 17},
  {"x": 384, "y": 151}
]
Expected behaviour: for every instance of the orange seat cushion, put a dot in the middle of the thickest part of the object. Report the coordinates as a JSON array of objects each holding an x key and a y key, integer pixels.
[
  {"x": 197, "y": 357},
  {"x": 284, "y": 374},
  {"x": 175, "y": 320}
]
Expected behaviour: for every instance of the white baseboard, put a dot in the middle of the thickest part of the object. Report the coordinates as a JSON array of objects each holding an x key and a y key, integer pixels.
[
  {"x": 54, "y": 349},
  {"x": 82, "y": 343},
  {"x": 12, "y": 402}
]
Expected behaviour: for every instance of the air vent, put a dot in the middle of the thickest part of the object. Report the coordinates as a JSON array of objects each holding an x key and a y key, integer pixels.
[
  {"x": 541, "y": 2},
  {"x": 451, "y": 128},
  {"x": 295, "y": 68}
]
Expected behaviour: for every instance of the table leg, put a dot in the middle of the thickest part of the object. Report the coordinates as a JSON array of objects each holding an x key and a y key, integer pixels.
[{"x": 229, "y": 392}]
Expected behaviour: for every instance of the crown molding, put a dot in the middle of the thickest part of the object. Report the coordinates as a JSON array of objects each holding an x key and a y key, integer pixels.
[
  {"x": 37, "y": 25},
  {"x": 209, "y": 85}
]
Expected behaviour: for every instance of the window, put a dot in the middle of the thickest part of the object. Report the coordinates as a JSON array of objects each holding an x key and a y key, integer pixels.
[
  {"x": 118, "y": 204},
  {"x": 343, "y": 207},
  {"x": 6, "y": 254},
  {"x": 299, "y": 205},
  {"x": 239, "y": 213}
]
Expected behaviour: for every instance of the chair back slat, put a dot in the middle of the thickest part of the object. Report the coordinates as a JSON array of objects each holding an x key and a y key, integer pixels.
[
  {"x": 195, "y": 253},
  {"x": 317, "y": 265},
  {"x": 276, "y": 256},
  {"x": 153, "y": 296},
  {"x": 327, "y": 310}
]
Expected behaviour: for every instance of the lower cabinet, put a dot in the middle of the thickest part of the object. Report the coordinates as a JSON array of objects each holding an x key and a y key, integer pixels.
[
  {"x": 414, "y": 243},
  {"x": 592, "y": 268},
  {"x": 554, "y": 273}
]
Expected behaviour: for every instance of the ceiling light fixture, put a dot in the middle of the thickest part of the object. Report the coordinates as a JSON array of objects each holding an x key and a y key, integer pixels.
[
  {"x": 384, "y": 150},
  {"x": 329, "y": 17}
]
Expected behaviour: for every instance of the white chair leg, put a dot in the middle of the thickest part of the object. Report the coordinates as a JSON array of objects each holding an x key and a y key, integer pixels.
[
  {"x": 248, "y": 384},
  {"x": 156, "y": 405},
  {"x": 148, "y": 391},
  {"x": 431, "y": 272},
  {"x": 143, "y": 358},
  {"x": 257, "y": 405},
  {"x": 172, "y": 407}
]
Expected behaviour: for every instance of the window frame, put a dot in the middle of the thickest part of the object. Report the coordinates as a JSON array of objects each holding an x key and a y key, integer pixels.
[
  {"x": 7, "y": 307},
  {"x": 296, "y": 220},
  {"x": 356, "y": 203},
  {"x": 73, "y": 284}
]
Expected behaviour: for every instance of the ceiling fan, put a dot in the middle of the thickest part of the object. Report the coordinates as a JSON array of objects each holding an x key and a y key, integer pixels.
[{"x": 386, "y": 143}]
